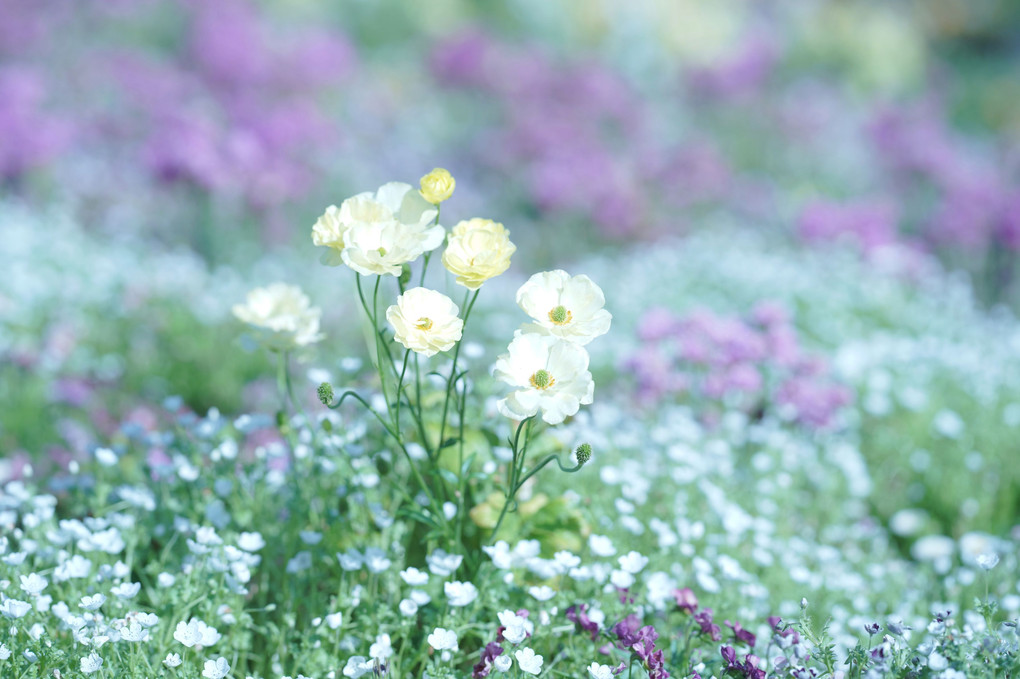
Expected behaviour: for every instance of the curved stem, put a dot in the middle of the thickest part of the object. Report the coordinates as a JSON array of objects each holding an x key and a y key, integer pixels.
[{"x": 551, "y": 458}]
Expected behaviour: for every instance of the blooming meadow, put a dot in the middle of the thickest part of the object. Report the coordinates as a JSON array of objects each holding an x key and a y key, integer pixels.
[{"x": 637, "y": 384}]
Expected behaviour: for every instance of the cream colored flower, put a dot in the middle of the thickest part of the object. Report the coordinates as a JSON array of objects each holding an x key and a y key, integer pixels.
[
  {"x": 549, "y": 373},
  {"x": 282, "y": 314},
  {"x": 437, "y": 186},
  {"x": 566, "y": 306},
  {"x": 478, "y": 249},
  {"x": 377, "y": 233},
  {"x": 328, "y": 231},
  {"x": 425, "y": 321}
]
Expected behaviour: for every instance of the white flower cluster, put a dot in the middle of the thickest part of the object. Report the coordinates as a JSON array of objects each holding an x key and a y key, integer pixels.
[{"x": 546, "y": 362}]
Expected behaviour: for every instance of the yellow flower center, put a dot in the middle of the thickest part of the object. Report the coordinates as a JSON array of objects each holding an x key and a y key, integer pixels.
[
  {"x": 560, "y": 315},
  {"x": 424, "y": 323},
  {"x": 542, "y": 380}
]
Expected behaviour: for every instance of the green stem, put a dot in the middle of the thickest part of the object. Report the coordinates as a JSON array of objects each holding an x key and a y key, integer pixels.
[
  {"x": 453, "y": 369},
  {"x": 516, "y": 462},
  {"x": 283, "y": 381}
]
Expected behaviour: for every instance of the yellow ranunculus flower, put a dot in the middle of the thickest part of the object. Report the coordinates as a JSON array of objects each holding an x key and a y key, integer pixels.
[
  {"x": 477, "y": 250},
  {"x": 437, "y": 186}
]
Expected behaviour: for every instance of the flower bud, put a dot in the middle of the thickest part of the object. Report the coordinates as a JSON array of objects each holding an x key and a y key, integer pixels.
[
  {"x": 583, "y": 453},
  {"x": 325, "y": 392},
  {"x": 437, "y": 186}
]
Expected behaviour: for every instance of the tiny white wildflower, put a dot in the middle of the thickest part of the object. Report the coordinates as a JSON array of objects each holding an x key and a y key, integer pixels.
[
  {"x": 443, "y": 639},
  {"x": 33, "y": 584},
  {"x": 127, "y": 590},
  {"x": 216, "y": 669},
  {"x": 528, "y": 661},
  {"x": 14, "y": 609},
  {"x": 92, "y": 603},
  {"x": 460, "y": 594},
  {"x": 633, "y": 562},
  {"x": 543, "y": 593},
  {"x": 414, "y": 577},
  {"x": 172, "y": 660},
  {"x": 357, "y": 666},
  {"x": 91, "y": 663},
  {"x": 601, "y": 545}
]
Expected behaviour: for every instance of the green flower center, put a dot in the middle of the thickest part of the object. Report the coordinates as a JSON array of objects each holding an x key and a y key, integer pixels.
[
  {"x": 560, "y": 315},
  {"x": 424, "y": 323},
  {"x": 542, "y": 380}
]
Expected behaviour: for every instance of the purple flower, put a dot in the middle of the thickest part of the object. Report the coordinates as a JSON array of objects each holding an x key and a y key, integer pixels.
[
  {"x": 686, "y": 599},
  {"x": 484, "y": 665},
  {"x": 579, "y": 616},
  {"x": 741, "y": 634},
  {"x": 704, "y": 620}
]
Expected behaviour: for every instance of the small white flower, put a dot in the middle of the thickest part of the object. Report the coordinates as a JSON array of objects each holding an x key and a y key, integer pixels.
[
  {"x": 216, "y": 669},
  {"x": 91, "y": 663},
  {"x": 358, "y": 666},
  {"x": 196, "y": 633},
  {"x": 381, "y": 649},
  {"x": 172, "y": 660},
  {"x": 134, "y": 632},
  {"x": 570, "y": 307},
  {"x": 598, "y": 671},
  {"x": 987, "y": 561},
  {"x": 425, "y": 321},
  {"x": 251, "y": 542},
  {"x": 515, "y": 627},
  {"x": 14, "y": 609},
  {"x": 443, "y": 639},
  {"x": 334, "y": 620},
  {"x": 601, "y": 545},
  {"x": 283, "y": 315},
  {"x": 633, "y": 562},
  {"x": 127, "y": 590},
  {"x": 502, "y": 663},
  {"x": 443, "y": 564},
  {"x": 528, "y": 661},
  {"x": 165, "y": 580},
  {"x": 460, "y": 594},
  {"x": 5, "y": 652},
  {"x": 407, "y": 608},
  {"x": 33, "y": 584},
  {"x": 543, "y": 593},
  {"x": 92, "y": 603},
  {"x": 548, "y": 373},
  {"x": 414, "y": 577},
  {"x": 105, "y": 457}
]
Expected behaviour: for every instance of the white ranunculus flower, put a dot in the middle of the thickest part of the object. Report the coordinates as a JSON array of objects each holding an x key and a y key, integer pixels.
[
  {"x": 377, "y": 233},
  {"x": 425, "y": 321},
  {"x": 282, "y": 314},
  {"x": 566, "y": 306},
  {"x": 550, "y": 374},
  {"x": 478, "y": 249},
  {"x": 328, "y": 232}
]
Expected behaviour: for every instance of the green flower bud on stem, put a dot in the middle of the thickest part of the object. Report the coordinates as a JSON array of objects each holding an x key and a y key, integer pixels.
[
  {"x": 583, "y": 453},
  {"x": 325, "y": 392}
]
